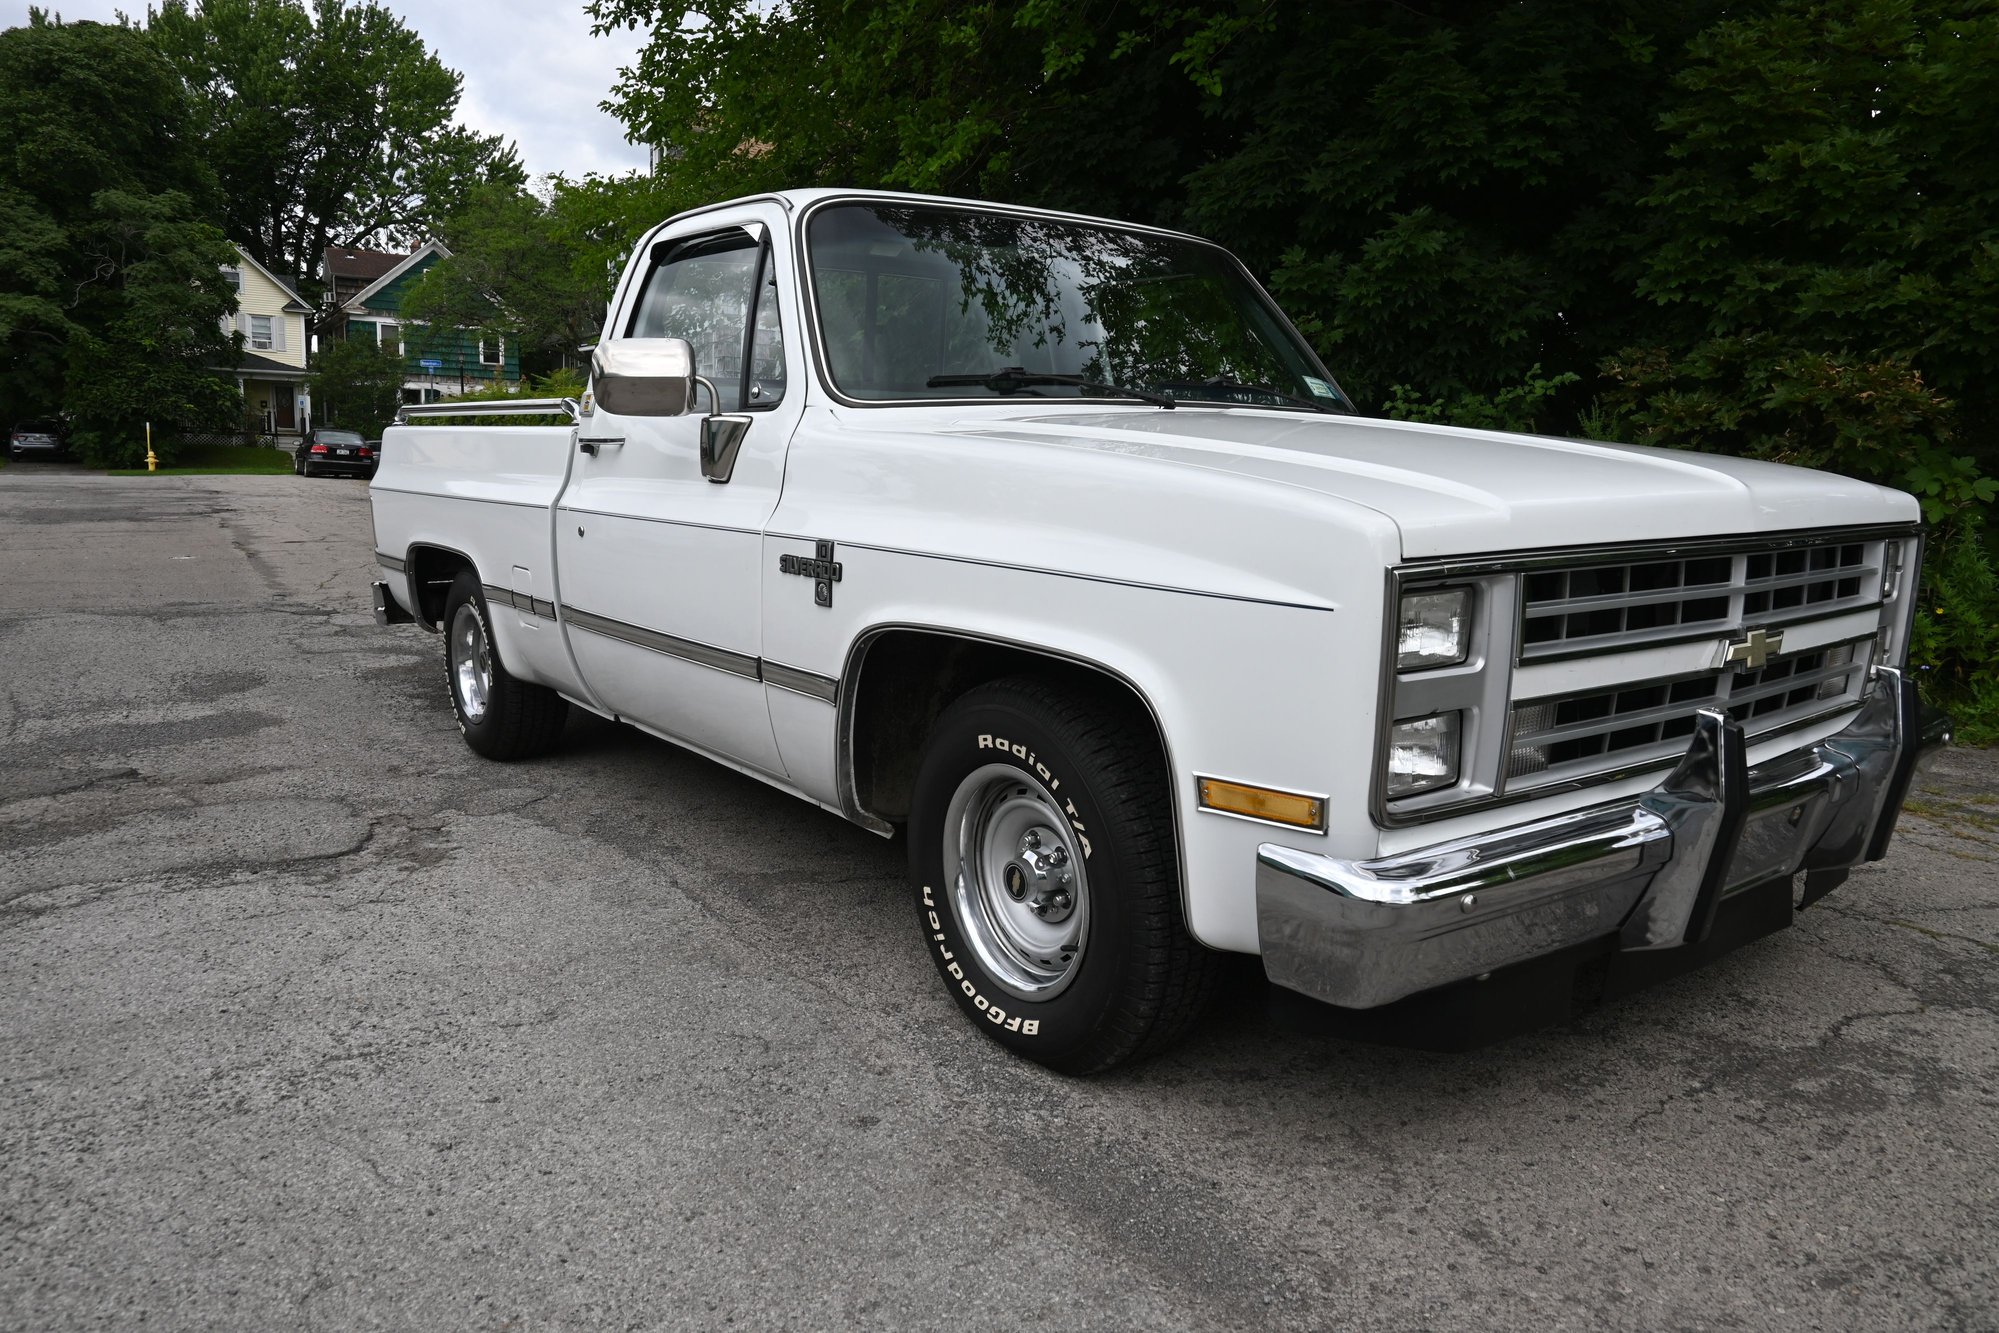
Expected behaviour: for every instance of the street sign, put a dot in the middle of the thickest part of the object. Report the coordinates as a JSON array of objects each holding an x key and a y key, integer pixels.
[{"x": 429, "y": 364}]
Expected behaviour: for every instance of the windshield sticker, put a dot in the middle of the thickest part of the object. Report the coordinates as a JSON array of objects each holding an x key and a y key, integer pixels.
[{"x": 1319, "y": 388}]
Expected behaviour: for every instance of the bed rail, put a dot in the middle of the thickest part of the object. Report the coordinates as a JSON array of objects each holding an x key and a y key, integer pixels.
[{"x": 517, "y": 407}]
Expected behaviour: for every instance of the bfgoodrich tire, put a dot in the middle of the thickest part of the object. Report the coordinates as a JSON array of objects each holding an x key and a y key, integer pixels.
[
  {"x": 499, "y": 716},
  {"x": 1047, "y": 881}
]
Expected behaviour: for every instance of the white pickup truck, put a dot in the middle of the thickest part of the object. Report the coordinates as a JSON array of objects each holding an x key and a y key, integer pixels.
[{"x": 1048, "y": 541}]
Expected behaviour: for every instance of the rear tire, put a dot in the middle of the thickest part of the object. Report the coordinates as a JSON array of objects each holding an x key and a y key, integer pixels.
[
  {"x": 1047, "y": 876},
  {"x": 499, "y": 716}
]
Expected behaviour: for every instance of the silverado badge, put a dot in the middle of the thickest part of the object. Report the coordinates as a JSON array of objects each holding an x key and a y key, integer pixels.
[{"x": 823, "y": 570}]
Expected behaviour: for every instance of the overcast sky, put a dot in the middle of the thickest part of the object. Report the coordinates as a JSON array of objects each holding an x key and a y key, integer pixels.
[{"x": 532, "y": 72}]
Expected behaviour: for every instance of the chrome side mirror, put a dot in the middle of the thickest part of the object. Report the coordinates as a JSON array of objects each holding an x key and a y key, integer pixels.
[
  {"x": 654, "y": 377},
  {"x": 644, "y": 377}
]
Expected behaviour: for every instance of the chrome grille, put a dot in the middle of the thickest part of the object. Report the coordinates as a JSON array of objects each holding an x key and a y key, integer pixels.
[
  {"x": 1640, "y": 721},
  {"x": 1611, "y": 606}
]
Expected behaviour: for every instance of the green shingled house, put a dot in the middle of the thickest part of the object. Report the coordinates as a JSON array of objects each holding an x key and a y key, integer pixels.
[{"x": 365, "y": 292}]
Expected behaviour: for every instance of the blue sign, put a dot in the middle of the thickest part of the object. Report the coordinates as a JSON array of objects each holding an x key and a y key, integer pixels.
[{"x": 428, "y": 364}]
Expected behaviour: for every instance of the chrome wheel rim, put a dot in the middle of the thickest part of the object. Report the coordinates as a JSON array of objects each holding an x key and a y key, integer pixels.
[
  {"x": 1019, "y": 893},
  {"x": 471, "y": 662}
]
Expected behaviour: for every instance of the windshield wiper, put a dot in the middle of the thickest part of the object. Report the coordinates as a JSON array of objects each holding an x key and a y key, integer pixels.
[
  {"x": 1225, "y": 385},
  {"x": 1017, "y": 377}
]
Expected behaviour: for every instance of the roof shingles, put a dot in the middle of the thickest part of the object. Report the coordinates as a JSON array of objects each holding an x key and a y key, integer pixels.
[{"x": 367, "y": 265}]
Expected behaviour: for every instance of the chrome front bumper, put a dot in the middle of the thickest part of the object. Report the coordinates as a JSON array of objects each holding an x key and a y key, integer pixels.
[{"x": 1651, "y": 870}]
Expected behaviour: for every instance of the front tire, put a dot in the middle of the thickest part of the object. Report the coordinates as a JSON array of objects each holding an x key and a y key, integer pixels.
[
  {"x": 500, "y": 716},
  {"x": 1048, "y": 889}
]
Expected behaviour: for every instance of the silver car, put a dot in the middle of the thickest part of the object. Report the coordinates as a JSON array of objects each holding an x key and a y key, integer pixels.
[{"x": 35, "y": 439}]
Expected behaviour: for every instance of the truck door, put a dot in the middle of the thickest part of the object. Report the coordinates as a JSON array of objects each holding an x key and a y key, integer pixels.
[{"x": 660, "y": 567}]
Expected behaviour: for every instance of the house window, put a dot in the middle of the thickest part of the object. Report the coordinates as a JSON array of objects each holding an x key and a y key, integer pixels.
[
  {"x": 391, "y": 338},
  {"x": 489, "y": 349},
  {"x": 235, "y": 277},
  {"x": 260, "y": 333}
]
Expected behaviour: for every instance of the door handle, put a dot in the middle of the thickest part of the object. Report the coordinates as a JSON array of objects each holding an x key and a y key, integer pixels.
[{"x": 591, "y": 444}]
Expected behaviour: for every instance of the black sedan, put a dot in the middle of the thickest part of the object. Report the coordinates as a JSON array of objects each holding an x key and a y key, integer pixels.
[{"x": 340, "y": 452}]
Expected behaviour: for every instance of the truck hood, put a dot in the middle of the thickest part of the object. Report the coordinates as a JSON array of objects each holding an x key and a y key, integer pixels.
[{"x": 1452, "y": 491}]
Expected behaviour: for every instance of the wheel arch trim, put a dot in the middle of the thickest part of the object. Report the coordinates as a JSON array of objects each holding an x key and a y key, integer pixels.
[
  {"x": 848, "y": 692},
  {"x": 409, "y": 574}
]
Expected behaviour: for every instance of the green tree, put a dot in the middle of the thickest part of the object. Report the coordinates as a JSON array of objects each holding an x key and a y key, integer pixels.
[
  {"x": 534, "y": 265},
  {"x": 325, "y": 125},
  {"x": 112, "y": 300},
  {"x": 357, "y": 386},
  {"x": 1019, "y": 101},
  {"x": 1831, "y": 193},
  {"x": 1441, "y": 197},
  {"x": 1821, "y": 276}
]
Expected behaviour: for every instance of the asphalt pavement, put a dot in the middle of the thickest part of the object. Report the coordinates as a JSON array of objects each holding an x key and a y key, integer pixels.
[{"x": 310, "y": 1018}]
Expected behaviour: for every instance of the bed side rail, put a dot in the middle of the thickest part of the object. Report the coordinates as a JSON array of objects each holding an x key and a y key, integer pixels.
[{"x": 515, "y": 407}]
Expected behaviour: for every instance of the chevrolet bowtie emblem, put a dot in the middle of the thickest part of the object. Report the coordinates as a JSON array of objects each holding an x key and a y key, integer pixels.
[{"x": 1752, "y": 650}]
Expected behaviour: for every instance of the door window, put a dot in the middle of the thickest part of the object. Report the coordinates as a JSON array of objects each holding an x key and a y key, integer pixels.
[
  {"x": 720, "y": 294},
  {"x": 765, "y": 385}
]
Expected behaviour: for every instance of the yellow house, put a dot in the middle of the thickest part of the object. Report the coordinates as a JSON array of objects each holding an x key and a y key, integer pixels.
[{"x": 271, "y": 376}]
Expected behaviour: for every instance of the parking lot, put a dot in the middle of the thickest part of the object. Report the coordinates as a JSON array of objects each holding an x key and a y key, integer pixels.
[{"x": 310, "y": 1018}]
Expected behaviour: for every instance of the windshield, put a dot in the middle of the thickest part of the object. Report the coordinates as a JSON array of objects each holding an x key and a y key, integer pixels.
[
  {"x": 339, "y": 437},
  {"x": 919, "y": 302}
]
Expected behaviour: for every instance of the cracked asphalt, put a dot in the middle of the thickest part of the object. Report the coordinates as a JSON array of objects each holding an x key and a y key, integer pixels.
[{"x": 310, "y": 1018}]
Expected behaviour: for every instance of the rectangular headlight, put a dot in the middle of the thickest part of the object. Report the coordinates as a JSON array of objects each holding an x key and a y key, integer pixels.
[
  {"x": 1423, "y": 754},
  {"x": 1433, "y": 629}
]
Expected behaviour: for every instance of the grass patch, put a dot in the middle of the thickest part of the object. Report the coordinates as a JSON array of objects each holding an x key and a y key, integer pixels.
[
  {"x": 1947, "y": 812},
  {"x": 220, "y": 460}
]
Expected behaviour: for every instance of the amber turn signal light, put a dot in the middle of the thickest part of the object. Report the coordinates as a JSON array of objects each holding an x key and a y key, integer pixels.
[{"x": 1279, "y": 807}]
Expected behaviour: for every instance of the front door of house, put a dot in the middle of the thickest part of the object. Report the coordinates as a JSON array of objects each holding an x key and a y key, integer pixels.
[{"x": 284, "y": 406}]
